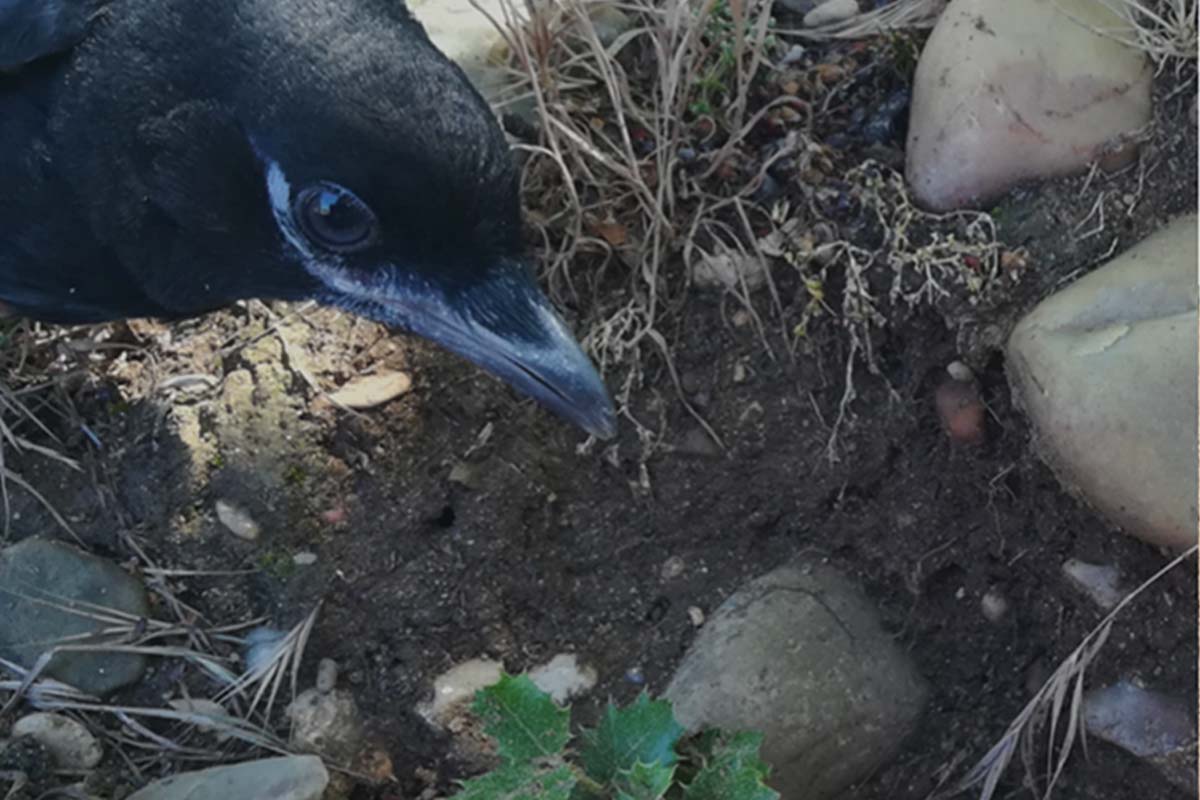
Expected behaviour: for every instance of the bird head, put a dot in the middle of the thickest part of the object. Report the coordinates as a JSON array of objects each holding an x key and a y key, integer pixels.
[{"x": 326, "y": 149}]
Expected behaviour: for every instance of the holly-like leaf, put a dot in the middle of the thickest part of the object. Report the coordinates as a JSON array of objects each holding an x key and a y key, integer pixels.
[
  {"x": 732, "y": 771},
  {"x": 523, "y": 720},
  {"x": 643, "y": 782},
  {"x": 524, "y": 781},
  {"x": 643, "y": 733}
]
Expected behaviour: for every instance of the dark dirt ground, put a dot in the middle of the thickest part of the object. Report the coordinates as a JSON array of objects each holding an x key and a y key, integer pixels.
[{"x": 556, "y": 548}]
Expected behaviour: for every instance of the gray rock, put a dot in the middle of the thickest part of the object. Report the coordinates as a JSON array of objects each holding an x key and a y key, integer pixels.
[
  {"x": 1152, "y": 726},
  {"x": 1013, "y": 91},
  {"x": 47, "y": 592},
  {"x": 799, "y": 654},
  {"x": 327, "y": 675},
  {"x": 1101, "y": 582},
  {"x": 609, "y": 22},
  {"x": 829, "y": 12},
  {"x": 287, "y": 778},
  {"x": 800, "y": 7},
  {"x": 326, "y": 723},
  {"x": 70, "y": 744},
  {"x": 1106, "y": 370}
]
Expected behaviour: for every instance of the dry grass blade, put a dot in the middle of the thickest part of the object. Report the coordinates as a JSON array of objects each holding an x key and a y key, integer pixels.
[
  {"x": 1165, "y": 30},
  {"x": 1050, "y": 703},
  {"x": 269, "y": 673},
  {"x": 605, "y": 186}
]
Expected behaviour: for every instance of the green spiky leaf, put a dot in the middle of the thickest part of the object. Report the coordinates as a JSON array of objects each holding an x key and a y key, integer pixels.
[
  {"x": 645, "y": 733},
  {"x": 551, "y": 780},
  {"x": 523, "y": 720},
  {"x": 732, "y": 771},
  {"x": 643, "y": 782}
]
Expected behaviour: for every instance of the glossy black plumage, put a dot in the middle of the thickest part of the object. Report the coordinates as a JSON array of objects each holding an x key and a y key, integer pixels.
[{"x": 152, "y": 153}]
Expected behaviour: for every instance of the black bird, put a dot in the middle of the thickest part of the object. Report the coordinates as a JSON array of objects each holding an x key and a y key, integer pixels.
[{"x": 167, "y": 157}]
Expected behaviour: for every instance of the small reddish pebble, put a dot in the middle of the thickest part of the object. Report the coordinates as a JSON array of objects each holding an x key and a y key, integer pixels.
[
  {"x": 961, "y": 411},
  {"x": 334, "y": 516}
]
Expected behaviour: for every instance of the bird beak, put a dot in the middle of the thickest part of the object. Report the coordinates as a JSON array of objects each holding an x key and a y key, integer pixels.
[{"x": 507, "y": 326}]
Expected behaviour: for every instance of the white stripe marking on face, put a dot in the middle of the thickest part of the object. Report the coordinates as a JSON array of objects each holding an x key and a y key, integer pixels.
[{"x": 280, "y": 193}]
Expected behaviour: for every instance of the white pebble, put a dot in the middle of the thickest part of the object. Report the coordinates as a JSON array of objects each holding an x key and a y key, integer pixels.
[
  {"x": 794, "y": 55},
  {"x": 696, "y": 616},
  {"x": 829, "y": 12},
  {"x": 672, "y": 568},
  {"x": 327, "y": 674},
  {"x": 1100, "y": 582},
  {"x": 994, "y": 605},
  {"x": 372, "y": 390},
  {"x": 239, "y": 523},
  {"x": 71, "y": 744},
  {"x": 456, "y": 687},
  {"x": 960, "y": 371},
  {"x": 562, "y": 677},
  {"x": 305, "y": 559}
]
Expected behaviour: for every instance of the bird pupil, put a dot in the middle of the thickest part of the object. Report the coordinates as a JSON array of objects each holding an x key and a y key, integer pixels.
[{"x": 335, "y": 218}]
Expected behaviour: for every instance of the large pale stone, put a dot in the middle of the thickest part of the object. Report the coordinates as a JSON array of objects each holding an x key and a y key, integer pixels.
[
  {"x": 1106, "y": 370},
  {"x": 799, "y": 655},
  {"x": 287, "y": 778},
  {"x": 1009, "y": 91}
]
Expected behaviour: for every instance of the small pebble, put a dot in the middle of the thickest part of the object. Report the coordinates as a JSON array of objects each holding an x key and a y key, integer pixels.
[
  {"x": 327, "y": 674},
  {"x": 326, "y": 723},
  {"x": 696, "y": 616},
  {"x": 261, "y": 645},
  {"x": 829, "y": 12},
  {"x": 305, "y": 559},
  {"x": 994, "y": 605},
  {"x": 962, "y": 411},
  {"x": 238, "y": 521},
  {"x": 372, "y": 390},
  {"x": 634, "y": 675},
  {"x": 334, "y": 516},
  {"x": 794, "y": 55},
  {"x": 672, "y": 568},
  {"x": 739, "y": 372},
  {"x": 563, "y": 678},
  {"x": 466, "y": 475},
  {"x": 1101, "y": 582},
  {"x": 456, "y": 687},
  {"x": 960, "y": 371},
  {"x": 199, "y": 707},
  {"x": 72, "y": 746}
]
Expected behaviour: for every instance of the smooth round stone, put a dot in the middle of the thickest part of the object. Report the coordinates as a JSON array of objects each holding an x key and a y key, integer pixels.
[
  {"x": 47, "y": 593},
  {"x": 1019, "y": 90},
  {"x": 799, "y": 655},
  {"x": 1106, "y": 370},
  {"x": 286, "y": 778}
]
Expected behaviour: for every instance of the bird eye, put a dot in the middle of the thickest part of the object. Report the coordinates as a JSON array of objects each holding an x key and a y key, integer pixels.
[{"x": 333, "y": 217}]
